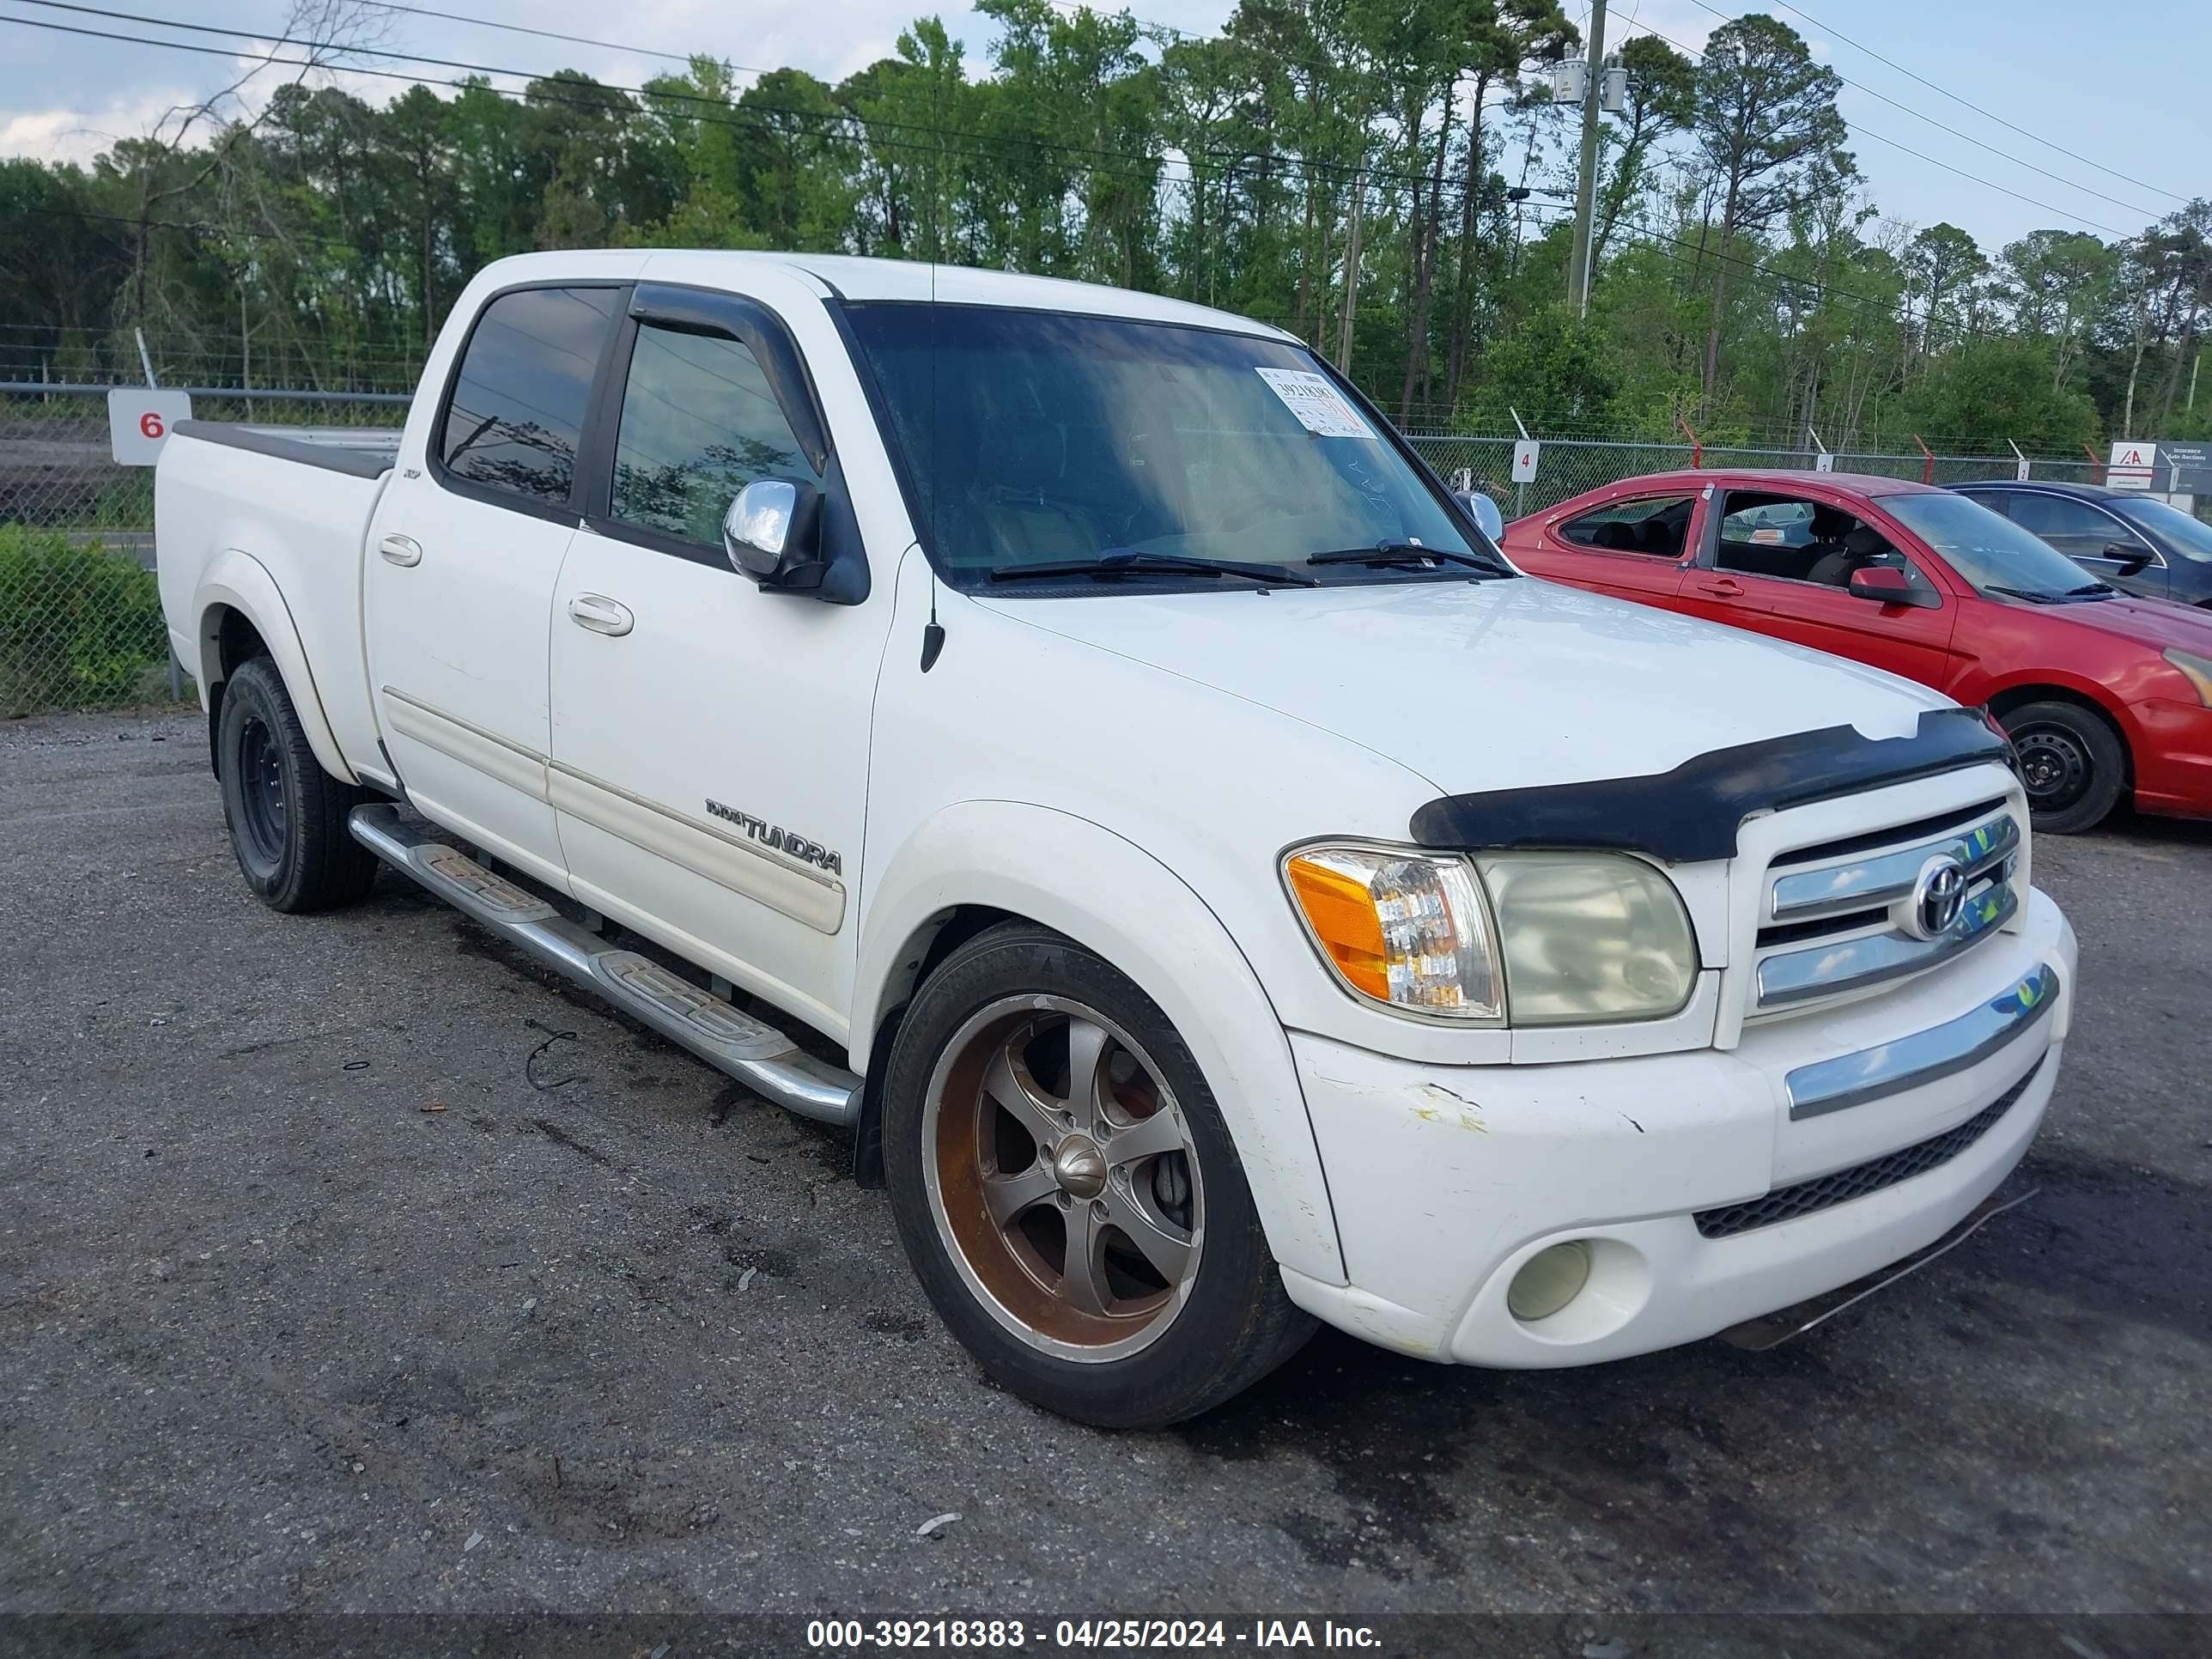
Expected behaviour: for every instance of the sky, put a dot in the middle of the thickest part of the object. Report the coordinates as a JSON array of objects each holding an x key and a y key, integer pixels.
[{"x": 2123, "y": 89}]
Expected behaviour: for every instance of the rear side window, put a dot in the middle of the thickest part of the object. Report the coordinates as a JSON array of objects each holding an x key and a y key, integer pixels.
[
  {"x": 1656, "y": 525},
  {"x": 517, "y": 408},
  {"x": 699, "y": 423}
]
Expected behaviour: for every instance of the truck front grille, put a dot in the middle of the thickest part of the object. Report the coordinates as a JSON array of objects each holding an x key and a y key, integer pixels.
[
  {"x": 1845, "y": 916},
  {"x": 1841, "y": 1185}
]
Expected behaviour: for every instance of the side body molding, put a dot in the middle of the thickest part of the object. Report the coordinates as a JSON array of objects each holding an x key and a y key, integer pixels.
[
  {"x": 1105, "y": 892},
  {"x": 237, "y": 578}
]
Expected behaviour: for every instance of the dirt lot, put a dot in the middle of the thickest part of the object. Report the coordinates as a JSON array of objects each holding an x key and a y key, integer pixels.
[{"x": 607, "y": 1334}]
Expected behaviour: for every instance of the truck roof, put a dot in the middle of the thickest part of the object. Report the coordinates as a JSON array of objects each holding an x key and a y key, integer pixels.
[{"x": 845, "y": 277}]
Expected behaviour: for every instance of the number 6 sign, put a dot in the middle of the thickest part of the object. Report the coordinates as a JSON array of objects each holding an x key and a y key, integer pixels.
[{"x": 140, "y": 419}]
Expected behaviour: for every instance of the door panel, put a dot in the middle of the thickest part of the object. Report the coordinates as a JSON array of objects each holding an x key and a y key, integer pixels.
[
  {"x": 1903, "y": 639},
  {"x": 468, "y": 548},
  {"x": 1722, "y": 597},
  {"x": 709, "y": 738},
  {"x": 1779, "y": 563},
  {"x": 710, "y": 764},
  {"x": 2089, "y": 536}
]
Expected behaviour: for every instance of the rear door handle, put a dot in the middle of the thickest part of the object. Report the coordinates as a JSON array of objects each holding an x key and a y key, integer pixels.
[
  {"x": 401, "y": 549},
  {"x": 601, "y": 613},
  {"x": 1724, "y": 588}
]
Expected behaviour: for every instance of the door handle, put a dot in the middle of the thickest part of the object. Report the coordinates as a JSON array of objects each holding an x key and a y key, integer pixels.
[
  {"x": 601, "y": 613},
  {"x": 401, "y": 549},
  {"x": 1725, "y": 588}
]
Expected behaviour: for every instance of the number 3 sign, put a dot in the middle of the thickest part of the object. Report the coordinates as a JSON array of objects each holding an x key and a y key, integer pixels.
[{"x": 140, "y": 419}]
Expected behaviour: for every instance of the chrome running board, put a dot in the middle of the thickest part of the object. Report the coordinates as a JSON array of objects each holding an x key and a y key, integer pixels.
[{"x": 756, "y": 1054}]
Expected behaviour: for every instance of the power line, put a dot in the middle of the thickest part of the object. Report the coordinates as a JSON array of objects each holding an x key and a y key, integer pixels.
[
  {"x": 544, "y": 34},
  {"x": 2143, "y": 184},
  {"x": 2003, "y": 155},
  {"x": 340, "y": 47},
  {"x": 132, "y": 221},
  {"x": 1866, "y": 132}
]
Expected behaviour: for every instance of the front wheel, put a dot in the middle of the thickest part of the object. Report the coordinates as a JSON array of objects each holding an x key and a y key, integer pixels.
[
  {"x": 2071, "y": 764},
  {"x": 1067, "y": 1191},
  {"x": 287, "y": 817}
]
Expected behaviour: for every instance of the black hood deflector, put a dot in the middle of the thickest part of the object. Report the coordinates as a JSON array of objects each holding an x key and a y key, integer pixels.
[{"x": 1691, "y": 814}]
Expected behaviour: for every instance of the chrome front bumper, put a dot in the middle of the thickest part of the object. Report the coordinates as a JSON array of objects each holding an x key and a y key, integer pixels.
[{"x": 1831, "y": 1085}]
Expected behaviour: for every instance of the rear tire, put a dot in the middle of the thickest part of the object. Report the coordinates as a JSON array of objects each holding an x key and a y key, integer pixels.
[
  {"x": 287, "y": 817},
  {"x": 2071, "y": 761},
  {"x": 1095, "y": 1245}
]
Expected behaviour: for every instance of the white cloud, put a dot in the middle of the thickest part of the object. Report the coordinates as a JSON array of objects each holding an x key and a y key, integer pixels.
[{"x": 81, "y": 133}]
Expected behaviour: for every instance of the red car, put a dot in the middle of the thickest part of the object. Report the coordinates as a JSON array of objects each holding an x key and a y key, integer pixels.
[{"x": 2102, "y": 694}]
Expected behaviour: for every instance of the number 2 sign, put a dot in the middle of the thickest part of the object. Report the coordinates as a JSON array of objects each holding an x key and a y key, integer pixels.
[{"x": 140, "y": 419}]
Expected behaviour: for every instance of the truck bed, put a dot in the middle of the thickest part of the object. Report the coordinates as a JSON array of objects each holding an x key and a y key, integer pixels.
[{"x": 301, "y": 512}]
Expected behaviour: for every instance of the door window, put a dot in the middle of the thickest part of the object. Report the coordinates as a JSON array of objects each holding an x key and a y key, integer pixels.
[
  {"x": 516, "y": 405},
  {"x": 2063, "y": 521},
  {"x": 1654, "y": 525},
  {"x": 1792, "y": 539},
  {"x": 699, "y": 423}
]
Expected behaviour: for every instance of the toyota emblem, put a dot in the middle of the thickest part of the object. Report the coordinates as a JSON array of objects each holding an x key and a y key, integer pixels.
[{"x": 1937, "y": 897}]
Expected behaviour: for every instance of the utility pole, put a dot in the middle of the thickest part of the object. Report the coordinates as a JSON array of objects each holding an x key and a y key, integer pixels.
[
  {"x": 1352, "y": 271},
  {"x": 1578, "y": 268}
]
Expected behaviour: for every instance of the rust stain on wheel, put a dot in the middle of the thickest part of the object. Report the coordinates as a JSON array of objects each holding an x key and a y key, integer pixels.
[{"x": 1062, "y": 1177}]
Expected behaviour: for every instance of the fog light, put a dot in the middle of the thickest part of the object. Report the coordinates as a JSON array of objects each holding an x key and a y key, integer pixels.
[{"x": 1549, "y": 1280}]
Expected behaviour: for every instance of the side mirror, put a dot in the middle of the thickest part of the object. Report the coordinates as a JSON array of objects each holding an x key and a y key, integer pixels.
[
  {"x": 772, "y": 532},
  {"x": 1483, "y": 511},
  {"x": 2129, "y": 557},
  {"x": 1885, "y": 584}
]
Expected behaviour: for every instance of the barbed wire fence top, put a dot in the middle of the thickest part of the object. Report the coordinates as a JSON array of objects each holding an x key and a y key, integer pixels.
[{"x": 79, "y": 609}]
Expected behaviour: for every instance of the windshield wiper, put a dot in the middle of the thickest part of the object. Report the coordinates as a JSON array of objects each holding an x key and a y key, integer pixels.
[
  {"x": 2092, "y": 591},
  {"x": 1402, "y": 553},
  {"x": 1127, "y": 562},
  {"x": 2020, "y": 593}
]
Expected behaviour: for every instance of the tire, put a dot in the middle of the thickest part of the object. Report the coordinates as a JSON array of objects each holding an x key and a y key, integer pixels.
[
  {"x": 2072, "y": 763},
  {"x": 1134, "y": 1334},
  {"x": 287, "y": 817}
]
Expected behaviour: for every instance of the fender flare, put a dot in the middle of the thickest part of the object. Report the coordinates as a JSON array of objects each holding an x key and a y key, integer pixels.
[
  {"x": 236, "y": 579},
  {"x": 1111, "y": 896}
]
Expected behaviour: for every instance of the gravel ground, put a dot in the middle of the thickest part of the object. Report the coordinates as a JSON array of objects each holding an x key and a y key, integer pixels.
[{"x": 607, "y": 1334}]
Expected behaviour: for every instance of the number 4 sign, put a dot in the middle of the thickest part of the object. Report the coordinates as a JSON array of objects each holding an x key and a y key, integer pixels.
[
  {"x": 1525, "y": 460},
  {"x": 139, "y": 419}
]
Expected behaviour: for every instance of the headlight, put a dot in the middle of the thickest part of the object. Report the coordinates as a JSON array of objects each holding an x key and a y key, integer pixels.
[
  {"x": 1559, "y": 938},
  {"x": 1399, "y": 928},
  {"x": 1589, "y": 937},
  {"x": 2197, "y": 669}
]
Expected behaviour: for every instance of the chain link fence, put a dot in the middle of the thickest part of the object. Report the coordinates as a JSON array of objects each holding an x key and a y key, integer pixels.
[
  {"x": 79, "y": 613},
  {"x": 81, "y": 618}
]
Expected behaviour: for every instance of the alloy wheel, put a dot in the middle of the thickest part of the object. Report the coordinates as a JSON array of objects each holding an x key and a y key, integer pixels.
[{"x": 1062, "y": 1177}]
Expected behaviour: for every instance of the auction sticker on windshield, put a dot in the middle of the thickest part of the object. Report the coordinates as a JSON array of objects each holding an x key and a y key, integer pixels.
[{"x": 1320, "y": 407}]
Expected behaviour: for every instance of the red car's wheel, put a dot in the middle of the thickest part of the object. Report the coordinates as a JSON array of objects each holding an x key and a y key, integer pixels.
[{"x": 2071, "y": 762}]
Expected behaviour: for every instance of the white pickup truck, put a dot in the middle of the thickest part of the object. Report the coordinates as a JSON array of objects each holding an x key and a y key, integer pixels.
[{"x": 1237, "y": 896}]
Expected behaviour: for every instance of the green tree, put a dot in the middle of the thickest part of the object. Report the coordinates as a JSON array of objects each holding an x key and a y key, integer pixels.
[
  {"x": 1768, "y": 128},
  {"x": 1991, "y": 391}
]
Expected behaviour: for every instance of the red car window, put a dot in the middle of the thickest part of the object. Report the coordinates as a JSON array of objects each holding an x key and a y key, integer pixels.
[{"x": 1656, "y": 525}]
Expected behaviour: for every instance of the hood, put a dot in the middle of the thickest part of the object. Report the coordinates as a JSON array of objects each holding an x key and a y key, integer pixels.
[
  {"x": 2157, "y": 624},
  {"x": 1496, "y": 684}
]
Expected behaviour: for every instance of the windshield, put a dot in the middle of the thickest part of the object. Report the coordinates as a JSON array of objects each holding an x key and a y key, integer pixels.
[
  {"x": 1989, "y": 549},
  {"x": 1033, "y": 438},
  {"x": 2190, "y": 537}
]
